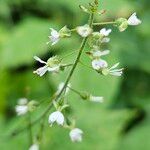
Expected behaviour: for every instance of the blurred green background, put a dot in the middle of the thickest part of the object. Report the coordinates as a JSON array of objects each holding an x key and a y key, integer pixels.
[{"x": 122, "y": 122}]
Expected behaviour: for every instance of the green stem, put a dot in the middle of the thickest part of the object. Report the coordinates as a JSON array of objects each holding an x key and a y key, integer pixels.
[
  {"x": 40, "y": 135},
  {"x": 67, "y": 80},
  {"x": 30, "y": 129},
  {"x": 104, "y": 23},
  {"x": 75, "y": 91},
  {"x": 89, "y": 67}
]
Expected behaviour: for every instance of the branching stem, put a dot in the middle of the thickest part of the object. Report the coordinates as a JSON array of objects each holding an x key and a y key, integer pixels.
[{"x": 66, "y": 82}]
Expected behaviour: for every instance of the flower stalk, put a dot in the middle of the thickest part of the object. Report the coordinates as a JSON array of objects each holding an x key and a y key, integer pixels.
[{"x": 104, "y": 23}]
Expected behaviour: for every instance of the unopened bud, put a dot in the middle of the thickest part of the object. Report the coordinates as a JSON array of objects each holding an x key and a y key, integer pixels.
[
  {"x": 65, "y": 32},
  {"x": 84, "y": 9},
  {"x": 122, "y": 24}
]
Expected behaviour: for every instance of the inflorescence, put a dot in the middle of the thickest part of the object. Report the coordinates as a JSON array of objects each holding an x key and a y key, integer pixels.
[{"x": 54, "y": 65}]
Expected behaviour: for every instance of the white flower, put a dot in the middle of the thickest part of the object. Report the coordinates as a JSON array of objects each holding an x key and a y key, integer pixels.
[
  {"x": 115, "y": 72},
  {"x": 84, "y": 31},
  {"x": 105, "y": 32},
  {"x": 99, "y": 99},
  {"x": 133, "y": 20},
  {"x": 61, "y": 85},
  {"x": 76, "y": 135},
  {"x": 52, "y": 65},
  {"x": 54, "y": 37},
  {"x": 98, "y": 64},
  {"x": 98, "y": 53},
  {"x": 21, "y": 109},
  {"x": 34, "y": 147},
  {"x": 57, "y": 117}
]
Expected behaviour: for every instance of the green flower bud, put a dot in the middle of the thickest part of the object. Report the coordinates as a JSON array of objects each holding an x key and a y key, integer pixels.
[
  {"x": 105, "y": 71},
  {"x": 84, "y": 9},
  {"x": 122, "y": 24},
  {"x": 32, "y": 105},
  {"x": 85, "y": 95},
  {"x": 53, "y": 61},
  {"x": 65, "y": 32}
]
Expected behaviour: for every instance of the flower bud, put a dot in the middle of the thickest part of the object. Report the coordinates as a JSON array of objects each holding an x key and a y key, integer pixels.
[
  {"x": 84, "y": 9},
  {"x": 53, "y": 61},
  {"x": 32, "y": 105},
  {"x": 122, "y": 24},
  {"x": 65, "y": 32},
  {"x": 105, "y": 71}
]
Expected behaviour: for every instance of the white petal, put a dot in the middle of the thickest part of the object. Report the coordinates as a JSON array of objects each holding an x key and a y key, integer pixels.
[
  {"x": 21, "y": 110},
  {"x": 40, "y": 60},
  {"x": 60, "y": 118},
  {"x": 105, "y": 52},
  {"x": 99, "y": 64},
  {"x": 98, "y": 53},
  {"x": 105, "y": 32},
  {"x": 41, "y": 71},
  {"x": 96, "y": 99},
  {"x": 54, "y": 40},
  {"x": 54, "y": 33},
  {"x": 56, "y": 116},
  {"x": 114, "y": 66},
  {"x": 116, "y": 73},
  {"x": 116, "y": 70},
  {"x": 53, "y": 69},
  {"x": 54, "y": 37},
  {"x": 52, "y": 117},
  {"x": 34, "y": 147},
  {"x": 76, "y": 135},
  {"x": 133, "y": 20}
]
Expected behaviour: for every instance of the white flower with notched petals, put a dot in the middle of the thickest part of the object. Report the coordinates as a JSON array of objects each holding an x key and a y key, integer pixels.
[
  {"x": 54, "y": 37},
  {"x": 76, "y": 135},
  {"x": 105, "y": 32},
  {"x": 34, "y": 147},
  {"x": 99, "y": 99},
  {"x": 61, "y": 85},
  {"x": 52, "y": 65},
  {"x": 115, "y": 72},
  {"x": 98, "y": 64},
  {"x": 84, "y": 31},
  {"x": 133, "y": 20},
  {"x": 57, "y": 117}
]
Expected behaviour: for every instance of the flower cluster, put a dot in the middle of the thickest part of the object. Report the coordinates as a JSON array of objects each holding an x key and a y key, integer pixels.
[{"x": 54, "y": 65}]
